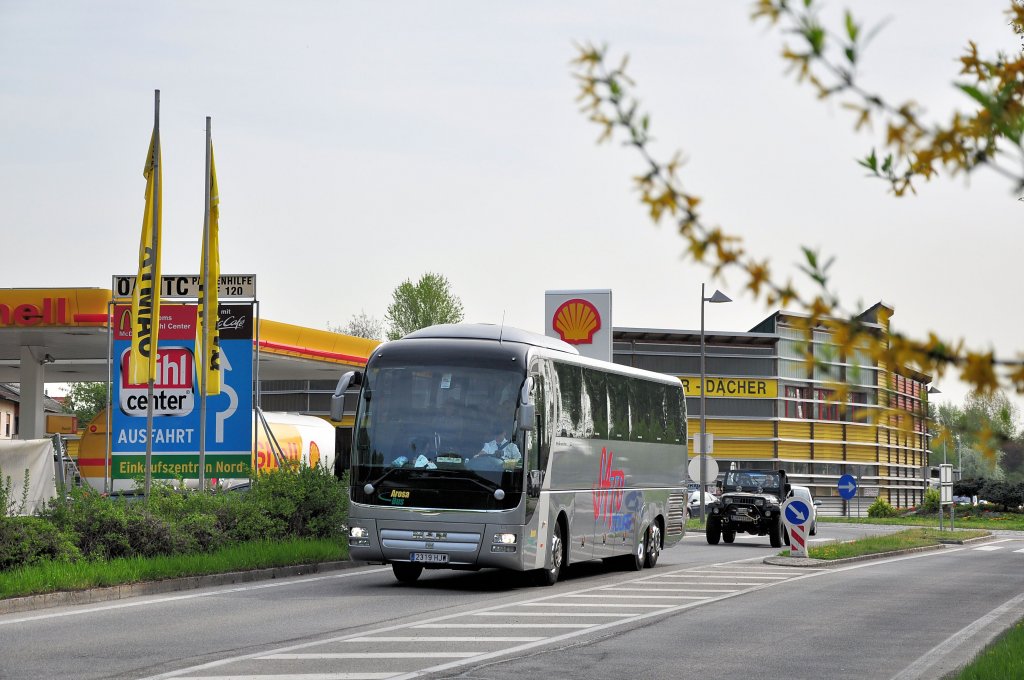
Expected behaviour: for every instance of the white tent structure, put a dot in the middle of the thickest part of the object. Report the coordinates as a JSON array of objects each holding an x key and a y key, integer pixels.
[{"x": 34, "y": 457}]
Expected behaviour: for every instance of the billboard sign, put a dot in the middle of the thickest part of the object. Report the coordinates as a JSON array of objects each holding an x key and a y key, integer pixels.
[
  {"x": 176, "y": 399},
  {"x": 583, "y": 318}
]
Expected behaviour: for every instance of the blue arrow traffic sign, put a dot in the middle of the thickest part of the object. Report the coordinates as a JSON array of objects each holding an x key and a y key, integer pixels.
[
  {"x": 797, "y": 512},
  {"x": 847, "y": 487}
]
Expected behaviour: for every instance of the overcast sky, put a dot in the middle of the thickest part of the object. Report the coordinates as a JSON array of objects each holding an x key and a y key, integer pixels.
[{"x": 362, "y": 143}]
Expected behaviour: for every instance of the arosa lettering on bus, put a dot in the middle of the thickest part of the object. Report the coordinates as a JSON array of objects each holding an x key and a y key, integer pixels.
[
  {"x": 52, "y": 312},
  {"x": 173, "y": 385}
]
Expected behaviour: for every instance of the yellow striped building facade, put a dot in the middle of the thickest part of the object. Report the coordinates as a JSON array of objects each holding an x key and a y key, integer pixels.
[{"x": 769, "y": 407}]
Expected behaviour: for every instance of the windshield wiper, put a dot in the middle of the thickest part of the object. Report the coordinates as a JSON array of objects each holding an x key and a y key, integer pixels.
[
  {"x": 475, "y": 479},
  {"x": 384, "y": 476}
]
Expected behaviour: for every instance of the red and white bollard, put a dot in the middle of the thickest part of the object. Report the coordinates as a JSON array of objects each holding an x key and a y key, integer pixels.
[{"x": 797, "y": 540}]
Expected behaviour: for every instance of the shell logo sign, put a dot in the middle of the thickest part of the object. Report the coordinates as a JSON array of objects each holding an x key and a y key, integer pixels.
[{"x": 576, "y": 321}]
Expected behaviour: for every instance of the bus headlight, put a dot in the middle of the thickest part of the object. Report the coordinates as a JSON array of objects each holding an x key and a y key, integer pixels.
[
  {"x": 505, "y": 539},
  {"x": 358, "y": 536}
]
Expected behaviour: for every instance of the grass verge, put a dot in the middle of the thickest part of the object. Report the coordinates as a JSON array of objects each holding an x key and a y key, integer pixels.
[
  {"x": 1014, "y": 522},
  {"x": 901, "y": 540},
  {"x": 1004, "y": 658},
  {"x": 48, "y": 577}
]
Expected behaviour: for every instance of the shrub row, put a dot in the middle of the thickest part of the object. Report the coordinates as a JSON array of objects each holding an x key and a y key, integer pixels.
[
  {"x": 304, "y": 503},
  {"x": 1007, "y": 495}
]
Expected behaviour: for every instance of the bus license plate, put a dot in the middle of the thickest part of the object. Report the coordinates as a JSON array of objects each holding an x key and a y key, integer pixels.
[{"x": 428, "y": 557}]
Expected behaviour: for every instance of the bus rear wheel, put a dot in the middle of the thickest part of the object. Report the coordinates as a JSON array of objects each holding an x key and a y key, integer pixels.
[
  {"x": 653, "y": 545},
  {"x": 406, "y": 572}
]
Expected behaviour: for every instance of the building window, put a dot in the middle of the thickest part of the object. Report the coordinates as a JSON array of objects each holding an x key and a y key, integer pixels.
[
  {"x": 798, "y": 402},
  {"x": 828, "y": 408}
]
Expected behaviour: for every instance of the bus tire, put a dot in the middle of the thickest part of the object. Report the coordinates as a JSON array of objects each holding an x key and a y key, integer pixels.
[
  {"x": 406, "y": 572},
  {"x": 635, "y": 560},
  {"x": 549, "y": 575},
  {"x": 653, "y": 544}
]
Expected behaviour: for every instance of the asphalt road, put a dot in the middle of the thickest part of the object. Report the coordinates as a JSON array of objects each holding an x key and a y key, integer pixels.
[{"x": 705, "y": 611}]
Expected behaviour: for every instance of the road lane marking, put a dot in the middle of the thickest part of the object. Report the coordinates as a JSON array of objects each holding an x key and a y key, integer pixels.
[
  {"x": 298, "y": 676},
  {"x": 427, "y": 638},
  {"x": 1020, "y": 551},
  {"x": 936, "y": 654},
  {"x": 580, "y": 614},
  {"x": 725, "y": 574},
  {"x": 989, "y": 548},
  {"x": 677, "y": 590},
  {"x": 280, "y": 583},
  {"x": 585, "y": 604},
  {"x": 504, "y": 625},
  {"x": 369, "y": 655},
  {"x": 675, "y": 603},
  {"x": 645, "y": 597}
]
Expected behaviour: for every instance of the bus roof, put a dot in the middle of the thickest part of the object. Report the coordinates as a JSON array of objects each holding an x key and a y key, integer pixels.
[{"x": 489, "y": 331}]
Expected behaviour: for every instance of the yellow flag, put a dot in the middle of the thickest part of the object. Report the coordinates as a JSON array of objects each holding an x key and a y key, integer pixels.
[
  {"x": 146, "y": 296},
  {"x": 208, "y": 293}
]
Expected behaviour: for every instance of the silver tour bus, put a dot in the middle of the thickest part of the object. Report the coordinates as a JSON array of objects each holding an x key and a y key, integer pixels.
[{"x": 481, "y": 446}]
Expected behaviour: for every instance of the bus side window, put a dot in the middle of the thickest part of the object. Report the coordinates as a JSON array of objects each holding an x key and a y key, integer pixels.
[{"x": 539, "y": 441}]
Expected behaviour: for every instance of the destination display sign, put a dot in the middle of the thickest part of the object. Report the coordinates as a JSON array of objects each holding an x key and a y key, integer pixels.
[
  {"x": 186, "y": 286},
  {"x": 735, "y": 388}
]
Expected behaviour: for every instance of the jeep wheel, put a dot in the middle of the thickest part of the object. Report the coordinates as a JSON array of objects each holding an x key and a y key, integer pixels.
[
  {"x": 713, "y": 533},
  {"x": 728, "y": 536},
  {"x": 775, "y": 533},
  {"x": 785, "y": 535},
  {"x": 653, "y": 545}
]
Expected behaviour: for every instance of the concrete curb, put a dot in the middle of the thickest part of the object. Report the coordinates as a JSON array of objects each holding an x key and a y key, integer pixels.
[
  {"x": 15, "y": 605},
  {"x": 814, "y": 563}
]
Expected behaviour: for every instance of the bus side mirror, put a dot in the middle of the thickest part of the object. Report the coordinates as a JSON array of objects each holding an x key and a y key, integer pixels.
[
  {"x": 527, "y": 417},
  {"x": 338, "y": 398}
]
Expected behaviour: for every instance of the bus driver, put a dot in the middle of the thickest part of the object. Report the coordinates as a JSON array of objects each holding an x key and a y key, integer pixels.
[{"x": 500, "y": 447}]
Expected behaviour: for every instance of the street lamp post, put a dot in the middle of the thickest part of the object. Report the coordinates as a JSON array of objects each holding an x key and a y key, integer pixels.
[{"x": 717, "y": 297}]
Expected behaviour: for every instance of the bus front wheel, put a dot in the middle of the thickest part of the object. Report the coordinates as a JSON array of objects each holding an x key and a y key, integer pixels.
[
  {"x": 406, "y": 572},
  {"x": 550, "y": 575}
]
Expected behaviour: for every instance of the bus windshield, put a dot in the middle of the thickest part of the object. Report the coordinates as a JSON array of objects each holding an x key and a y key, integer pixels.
[{"x": 439, "y": 435}]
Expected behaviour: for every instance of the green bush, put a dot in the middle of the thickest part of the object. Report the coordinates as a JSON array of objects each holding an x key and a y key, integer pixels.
[
  {"x": 881, "y": 508},
  {"x": 29, "y": 540},
  {"x": 310, "y": 502},
  {"x": 931, "y": 500},
  {"x": 244, "y": 521},
  {"x": 281, "y": 504}
]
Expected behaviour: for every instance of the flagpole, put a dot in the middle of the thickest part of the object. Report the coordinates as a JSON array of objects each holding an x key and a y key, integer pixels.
[
  {"x": 204, "y": 365},
  {"x": 155, "y": 244}
]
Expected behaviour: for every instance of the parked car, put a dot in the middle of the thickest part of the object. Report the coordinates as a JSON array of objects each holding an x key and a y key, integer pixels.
[
  {"x": 693, "y": 506},
  {"x": 804, "y": 494}
]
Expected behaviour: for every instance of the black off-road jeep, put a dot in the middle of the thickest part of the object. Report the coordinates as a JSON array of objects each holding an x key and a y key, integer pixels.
[{"x": 749, "y": 503}]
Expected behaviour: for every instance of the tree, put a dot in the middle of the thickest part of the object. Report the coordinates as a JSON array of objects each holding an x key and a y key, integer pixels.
[
  {"x": 361, "y": 325},
  {"x": 974, "y": 436},
  {"x": 85, "y": 400},
  {"x": 428, "y": 302},
  {"x": 989, "y": 135}
]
